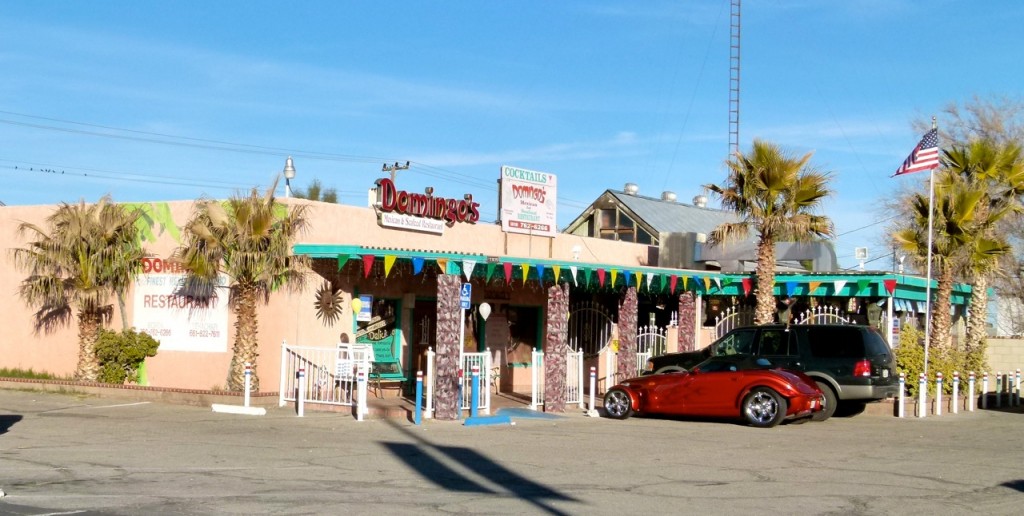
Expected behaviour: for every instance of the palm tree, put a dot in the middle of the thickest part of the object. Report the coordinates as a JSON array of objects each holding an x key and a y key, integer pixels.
[
  {"x": 1000, "y": 168},
  {"x": 248, "y": 239},
  {"x": 86, "y": 254},
  {"x": 316, "y": 192},
  {"x": 774, "y": 194},
  {"x": 957, "y": 216}
]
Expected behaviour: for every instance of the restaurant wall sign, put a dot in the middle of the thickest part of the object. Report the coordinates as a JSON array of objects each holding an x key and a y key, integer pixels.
[{"x": 422, "y": 212}]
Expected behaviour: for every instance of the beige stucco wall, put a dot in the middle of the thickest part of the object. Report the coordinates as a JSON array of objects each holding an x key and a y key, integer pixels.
[
  {"x": 1005, "y": 354},
  {"x": 288, "y": 315}
]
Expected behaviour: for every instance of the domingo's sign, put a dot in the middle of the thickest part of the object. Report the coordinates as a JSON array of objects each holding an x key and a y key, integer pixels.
[{"x": 392, "y": 200}]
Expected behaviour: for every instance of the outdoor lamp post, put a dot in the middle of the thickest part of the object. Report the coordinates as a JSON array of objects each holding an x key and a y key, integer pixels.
[{"x": 289, "y": 174}]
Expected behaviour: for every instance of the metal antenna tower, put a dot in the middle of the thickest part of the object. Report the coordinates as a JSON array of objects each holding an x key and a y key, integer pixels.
[{"x": 734, "y": 78}]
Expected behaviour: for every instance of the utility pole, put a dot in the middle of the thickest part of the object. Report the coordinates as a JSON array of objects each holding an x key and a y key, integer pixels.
[{"x": 394, "y": 168}]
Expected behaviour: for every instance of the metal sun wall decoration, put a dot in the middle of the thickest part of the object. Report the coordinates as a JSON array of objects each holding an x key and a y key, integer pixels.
[{"x": 328, "y": 303}]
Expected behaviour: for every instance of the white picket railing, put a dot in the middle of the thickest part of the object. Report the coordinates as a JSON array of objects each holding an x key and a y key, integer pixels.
[
  {"x": 329, "y": 373},
  {"x": 481, "y": 359},
  {"x": 573, "y": 380}
]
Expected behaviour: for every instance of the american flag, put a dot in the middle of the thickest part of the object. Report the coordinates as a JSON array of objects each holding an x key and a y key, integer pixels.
[{"x": 924, "y": 157}]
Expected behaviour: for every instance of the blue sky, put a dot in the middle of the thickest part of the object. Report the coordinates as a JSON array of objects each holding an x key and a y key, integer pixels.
[{"x": 174, "y": 100}]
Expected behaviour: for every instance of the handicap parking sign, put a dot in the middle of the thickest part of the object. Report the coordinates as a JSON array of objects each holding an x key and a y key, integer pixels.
[{"x": 465, "y": 295}]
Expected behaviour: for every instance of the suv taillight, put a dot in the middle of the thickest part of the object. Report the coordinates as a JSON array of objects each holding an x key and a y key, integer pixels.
[{"x": 862, "y": 368}]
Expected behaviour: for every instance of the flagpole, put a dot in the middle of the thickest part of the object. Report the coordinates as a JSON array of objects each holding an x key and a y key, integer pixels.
[{"x": 928, "y": 284}]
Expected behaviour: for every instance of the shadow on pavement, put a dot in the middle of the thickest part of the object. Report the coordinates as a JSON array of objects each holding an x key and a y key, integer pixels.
[
  {"x": 7, "y": 421},
  {"x": 1014, "y": 484},
  {"x": 436, "y": 464}
]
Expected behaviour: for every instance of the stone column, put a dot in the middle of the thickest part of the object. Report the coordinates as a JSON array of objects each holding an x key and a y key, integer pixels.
[
  {"x": 625, "y": 365},
  {"x": 446, "y": 387},
  {"x": 688, "y": 327},
  {"x": 556, "y": 345}
]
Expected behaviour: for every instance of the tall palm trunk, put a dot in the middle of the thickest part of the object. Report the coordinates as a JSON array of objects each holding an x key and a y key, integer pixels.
[
  {"x": 942, "y": 319},
  {"x": 89, "y": 324},
  {"x": 764, "y": 294},
  {"x": 246, "y": 341},
  {"x": 977, "y": 317}
]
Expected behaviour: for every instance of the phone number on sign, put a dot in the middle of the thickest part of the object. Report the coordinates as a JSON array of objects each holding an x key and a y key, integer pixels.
[{"x": 204, "y": 333}]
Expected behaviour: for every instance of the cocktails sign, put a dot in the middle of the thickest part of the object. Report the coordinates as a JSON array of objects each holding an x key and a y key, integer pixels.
[{"x": 528, "y": 201}]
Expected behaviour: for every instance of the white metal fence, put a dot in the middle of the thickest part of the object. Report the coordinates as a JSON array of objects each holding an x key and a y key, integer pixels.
[
  {"x": 481, "y": 359},
  {"x": 573, "y": 380},
  {"x": 822, "y": 315},
  {"x": 329, "y": 374},
  {"x": 650, "y": 342},
  {"x": 733, "y": 317}
]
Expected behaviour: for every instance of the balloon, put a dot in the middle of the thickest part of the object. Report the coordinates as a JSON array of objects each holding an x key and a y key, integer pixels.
[
  {"x": 485, "y": 310},
  {"x": 357, "y": 304}
]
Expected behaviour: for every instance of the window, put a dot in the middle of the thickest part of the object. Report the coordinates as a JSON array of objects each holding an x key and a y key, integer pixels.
[{"x": 775, "y": 343}]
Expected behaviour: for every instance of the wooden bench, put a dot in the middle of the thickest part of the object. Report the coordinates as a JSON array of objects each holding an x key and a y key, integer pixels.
[{"x": 385, "y": 367}]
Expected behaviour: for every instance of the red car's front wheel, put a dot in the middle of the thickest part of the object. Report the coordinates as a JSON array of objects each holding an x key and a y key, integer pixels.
[
  {"x": 618, "y": 404},
  {"x": 764, "y": 407}
]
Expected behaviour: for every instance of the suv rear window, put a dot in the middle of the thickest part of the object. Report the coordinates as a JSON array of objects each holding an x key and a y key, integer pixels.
[{"x": 836, "y": 342}]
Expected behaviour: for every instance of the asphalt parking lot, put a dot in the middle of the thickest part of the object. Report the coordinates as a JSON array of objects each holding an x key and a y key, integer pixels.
[{"x": 70, "y": 454}]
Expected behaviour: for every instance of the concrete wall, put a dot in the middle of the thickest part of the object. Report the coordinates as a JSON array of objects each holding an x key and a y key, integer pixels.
[
  {"x": 1005, "y": 354},
  {"x": 288, "y": 315}
]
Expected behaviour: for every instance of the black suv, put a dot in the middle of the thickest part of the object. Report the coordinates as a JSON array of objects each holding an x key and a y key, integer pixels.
[{"x": 849, "y": 362}]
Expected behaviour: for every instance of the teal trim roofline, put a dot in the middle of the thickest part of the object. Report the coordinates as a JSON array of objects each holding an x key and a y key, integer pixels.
[{"x": 852, "y": 284}]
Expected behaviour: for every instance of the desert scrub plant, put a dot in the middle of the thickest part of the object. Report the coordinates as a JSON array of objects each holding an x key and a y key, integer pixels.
[
  {"x": 120, "y": 354},
  {"x": 15, "y": 372}
]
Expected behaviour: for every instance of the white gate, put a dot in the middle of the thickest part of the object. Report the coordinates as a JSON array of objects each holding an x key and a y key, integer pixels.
[
  {"x": 329, "y": 374},
  {"x": 466, "y": 362},
  {"x": 590, "y": 327},
  {"x": 822, "y": 315},
  {"x": 573, "y": 380},
  {"x": 733, "y": 317},
  {"x": 483, "y": 361},
  {"x": 650, "y": 342}
]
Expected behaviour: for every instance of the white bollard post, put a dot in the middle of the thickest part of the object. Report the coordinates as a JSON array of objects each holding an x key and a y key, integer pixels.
[
  {"x": 938, "y": 394},
  {"x": 999, "y": 389},
  {"x": 984, "y": 390},
  {"x": 922, "y": 391},
  {"x": 956, "y": 392},
  {"x": 429, "y": 412},
  {"x": 902, "y": 402},
  {"x": 1018, "y": 382},
  {"x": 593, "y": 387},
  {"x": 300, "y": 398},
  {"x": 970, "y": 392},
  {"x": 248, "y": 382},
  {"x": 361, "y": 392}
]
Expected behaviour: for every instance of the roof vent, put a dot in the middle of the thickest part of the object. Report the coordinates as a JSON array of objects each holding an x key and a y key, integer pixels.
[
  {"x": 631, "y": 189},
  {"x": 700, "y": 201},
  {"x": 668, "y": 196}
]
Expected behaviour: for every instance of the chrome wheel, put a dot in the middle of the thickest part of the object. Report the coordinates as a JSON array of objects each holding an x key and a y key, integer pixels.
[
  {"x": 764, "y": 407},
  {"x": 618, "y": 404}
]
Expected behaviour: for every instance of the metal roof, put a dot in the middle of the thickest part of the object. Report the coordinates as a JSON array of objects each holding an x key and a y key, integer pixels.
[{"x": 672, "y": 216}]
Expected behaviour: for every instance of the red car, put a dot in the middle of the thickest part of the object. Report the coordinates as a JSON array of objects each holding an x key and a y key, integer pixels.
[{"x": 727, "y": 386}]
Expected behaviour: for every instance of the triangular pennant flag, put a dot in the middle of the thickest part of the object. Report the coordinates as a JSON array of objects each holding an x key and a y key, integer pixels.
[
  {"x": 540, "y": 273},
  {"x": 572, "y": 269},
  {"x": 790, "y": 288},
  {"x": 672, "y": 283},
  {"x": 367, "y": 265},
  {"x": 442, "y": 263},
  {"x": 640, "y": 279},
  {"x": 557, "y": 271},
  {"x": 417, "y": 265},
  {"x": 649, "y": 276},
  {"x": 748, "y": 284},
  {"x": 467, "y": 268},
  {"x": 389, "y": 261},
  {"x": 862, "y": 284},
  {"x": 508, "y": 272},
  {"x": 526, "y": 271},
  {"x": 726, "y": 282},
  {"x": 890, "y": 286},
  {"x": 696, "y": 282},
  {"x": 590, "y": 274},
  {"x": 707, "y": 283},
  {"x": 812, "y": 286},
  {"x": 718, "y": 282},
  {"x": 600, "y": 276},
  {"x": 839, "y": 284},
  {"x": 342, "y": 259},
  {"x": 615, "y": 273},
  {"x": 490, "y": 272}
]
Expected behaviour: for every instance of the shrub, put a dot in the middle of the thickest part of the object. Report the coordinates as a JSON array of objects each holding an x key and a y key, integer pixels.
[
  {"x": 910, "y": 360},
  {"x": 120, "y": 354},
  {"x": 6, "y": 372}
]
